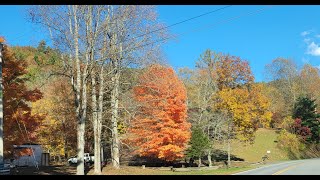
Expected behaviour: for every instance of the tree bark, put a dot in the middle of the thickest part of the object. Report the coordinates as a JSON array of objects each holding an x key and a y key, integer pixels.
[
  {"x": 100, "y": 110},
  {"x": 209, "y": 158},
  {"x": 199, "y": 164},
  {"x": 229, "y": 146},
  {"x": 114, "y": 117},
  {"x": 115, "y": 104},
  {"x": 97, "y": 161},
  {"x": 81, "y": 122}
]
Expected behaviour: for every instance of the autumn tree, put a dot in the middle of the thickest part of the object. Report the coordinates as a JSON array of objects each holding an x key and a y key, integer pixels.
[
  {"x": 201, "y": 84},
  {"x": 57, "y": 101},
  {"x": 248, "y": 109},
  {"x": 60, "y": 120},
  {"x": 97, "y": 41},
  {"x": 160, "y": 129},
  {"x": 233, "y": 72},
  {"x": 242, "y": 102},
  {"x": 310, "y": 81},
  {"x": 20, "y": 124},
  {"x": 284, "y": 78},
  {"x": 277, "y": 105}
]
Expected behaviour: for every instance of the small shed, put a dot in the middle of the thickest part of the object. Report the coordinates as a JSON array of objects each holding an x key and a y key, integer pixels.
[{"x": 28, "y": 154}]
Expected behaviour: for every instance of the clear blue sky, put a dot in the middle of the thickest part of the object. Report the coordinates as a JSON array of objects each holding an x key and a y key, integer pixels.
[{"x": 281, "y": 31}]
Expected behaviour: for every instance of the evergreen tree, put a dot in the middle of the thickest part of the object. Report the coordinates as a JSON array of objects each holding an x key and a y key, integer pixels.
[
  {"x": 199, "y": 143},
  {"x": 305, "y": 109}
]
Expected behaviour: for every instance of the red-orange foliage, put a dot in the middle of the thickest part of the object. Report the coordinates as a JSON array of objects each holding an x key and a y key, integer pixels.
[
  {"x": 17, "y": 113},
  {"x": 160, "y": 129},
  {"x": 2, "y": 40}
]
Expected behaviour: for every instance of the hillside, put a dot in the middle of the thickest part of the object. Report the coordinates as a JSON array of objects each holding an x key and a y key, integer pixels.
[{"x": 265, "y": 141}]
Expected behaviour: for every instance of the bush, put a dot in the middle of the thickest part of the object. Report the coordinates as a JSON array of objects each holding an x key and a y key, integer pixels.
[
  {"x": 287, "y": 124},
  {"x": 291, "y": 144}
]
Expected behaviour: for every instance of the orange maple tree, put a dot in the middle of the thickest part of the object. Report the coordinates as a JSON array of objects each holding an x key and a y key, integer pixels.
[
  {"x": 19, "y": 123},
  {"x": 160, "y": 129}
]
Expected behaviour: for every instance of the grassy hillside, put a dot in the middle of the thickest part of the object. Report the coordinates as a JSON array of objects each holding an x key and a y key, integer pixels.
[{"x": 265, "y": 140}]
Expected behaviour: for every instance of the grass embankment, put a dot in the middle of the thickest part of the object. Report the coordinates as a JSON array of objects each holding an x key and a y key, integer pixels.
[{"x": 266, "y": 140}]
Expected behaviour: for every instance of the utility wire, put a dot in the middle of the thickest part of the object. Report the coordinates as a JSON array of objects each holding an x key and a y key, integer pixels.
[
  {"x": 177, "y": 23},
  {"x": 198, "y": 29},
  {"x": 166, "y": 27}
]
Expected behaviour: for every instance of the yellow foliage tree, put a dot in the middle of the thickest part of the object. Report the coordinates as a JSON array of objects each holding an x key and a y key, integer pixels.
[
  {"x": 57, "y": 106},
  {"x": 53, "y": 144},
  {"x": 247, "y": 107}
]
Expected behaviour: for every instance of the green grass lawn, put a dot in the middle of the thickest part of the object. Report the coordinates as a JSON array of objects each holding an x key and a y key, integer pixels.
[{"x": 265, "y": 140}]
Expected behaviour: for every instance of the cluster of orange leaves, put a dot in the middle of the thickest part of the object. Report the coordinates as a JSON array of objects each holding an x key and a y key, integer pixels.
[{"x": 160, "y": 130}]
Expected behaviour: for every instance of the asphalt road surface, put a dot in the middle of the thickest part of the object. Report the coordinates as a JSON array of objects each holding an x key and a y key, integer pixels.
[{"x": 297, "y": 167}]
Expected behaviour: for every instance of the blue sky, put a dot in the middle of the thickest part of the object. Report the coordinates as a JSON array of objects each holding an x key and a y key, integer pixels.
[{"x": 280, "y": 31}]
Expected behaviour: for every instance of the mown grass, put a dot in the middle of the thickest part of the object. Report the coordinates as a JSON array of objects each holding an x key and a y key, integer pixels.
[
  {"x": 265, "y": 140},
  {"x": 129, "y": 170}
]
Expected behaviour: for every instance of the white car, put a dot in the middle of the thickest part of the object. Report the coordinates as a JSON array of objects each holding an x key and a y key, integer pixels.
[{"x": 87, "y": 159}]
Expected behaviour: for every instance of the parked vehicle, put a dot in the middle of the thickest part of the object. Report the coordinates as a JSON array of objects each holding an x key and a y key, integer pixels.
[
  {"x": 87, "y": 159},
  {"x": 4, "y": 169}
]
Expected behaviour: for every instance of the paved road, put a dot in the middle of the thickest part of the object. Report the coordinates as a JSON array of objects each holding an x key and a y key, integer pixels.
[{"x": 297, "y": 167}]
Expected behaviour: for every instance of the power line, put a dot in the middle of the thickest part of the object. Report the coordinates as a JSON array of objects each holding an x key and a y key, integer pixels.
[
  {"x": 156, "y": 30},
  {"x": 236, "y": 17},
  {"x": 186, "y": 20},
  {"x": 198, "y": 29},
  {"x": 174, "y": 24}
]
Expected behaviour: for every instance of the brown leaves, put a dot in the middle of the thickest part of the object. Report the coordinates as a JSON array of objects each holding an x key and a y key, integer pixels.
[{"x": 233, "y": 72}]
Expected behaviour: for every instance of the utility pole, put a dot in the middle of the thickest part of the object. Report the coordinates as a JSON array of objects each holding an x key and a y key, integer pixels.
[{"x": 1, "y": 105}]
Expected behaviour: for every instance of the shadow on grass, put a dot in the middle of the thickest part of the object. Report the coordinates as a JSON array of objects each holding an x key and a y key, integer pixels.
[
  {"x": 217, "y": 156},
  {"x": 45, "y": 170}
]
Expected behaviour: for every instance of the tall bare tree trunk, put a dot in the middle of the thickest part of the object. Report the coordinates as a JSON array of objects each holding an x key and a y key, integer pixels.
[
  {"x": 97, "y": 161},
  {"x": 81, "y": 122},
  {"x": 209, "y": 151},
  {"x": 115, "y": 107},
  {"x": 114, "y": 117},
  {"x": 209, "y": 158},
  {"x": 229, "y": 146},
  {"x": 65, "y": 146},
  {"x": 100, "y": 110}
]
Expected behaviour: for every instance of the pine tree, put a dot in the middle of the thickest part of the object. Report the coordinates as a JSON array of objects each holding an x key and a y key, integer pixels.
[
  {"x": 305, "y": 109},
  {"x": 199, "y": 144}
]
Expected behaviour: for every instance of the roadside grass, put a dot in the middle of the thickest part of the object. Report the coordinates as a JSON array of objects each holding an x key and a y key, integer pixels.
[{"x": 130, "y": 170}]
